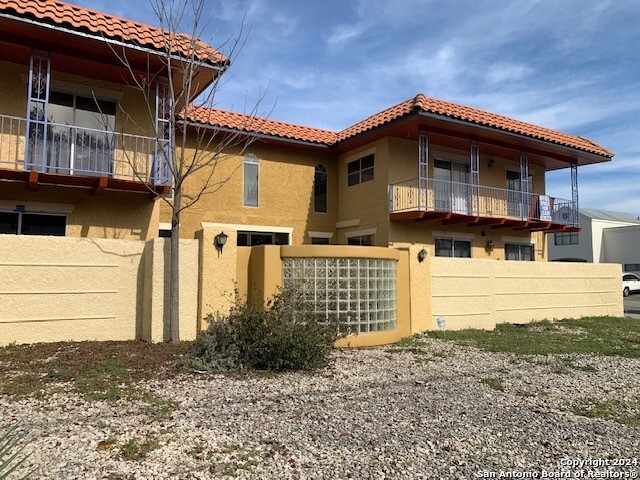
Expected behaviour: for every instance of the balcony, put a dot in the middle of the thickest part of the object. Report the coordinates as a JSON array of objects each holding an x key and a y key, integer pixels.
[
  {"x": 475, "y": 205},
  {"x": 52, "y": 153}
]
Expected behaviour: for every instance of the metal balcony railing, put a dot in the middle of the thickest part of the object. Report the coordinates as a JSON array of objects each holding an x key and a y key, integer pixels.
[
  {"x": 71, "y": 150},
  {"x": 478, "y": 200}
]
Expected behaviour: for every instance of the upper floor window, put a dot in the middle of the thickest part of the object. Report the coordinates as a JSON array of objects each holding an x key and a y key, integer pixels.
[
  {"x": 632, "y": 267},
  {"x": 566, "y": 238},
  {"x": 251, "y": 180},
  {"x": 320, "y": 189},
  {"x": 451, "y": 247},
  {"x": 516, "y": 251},
  {"x": 360, "y": 171}
]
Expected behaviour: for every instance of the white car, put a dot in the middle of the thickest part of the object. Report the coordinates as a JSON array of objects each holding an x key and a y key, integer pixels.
[{"x": 630, "y": 283}]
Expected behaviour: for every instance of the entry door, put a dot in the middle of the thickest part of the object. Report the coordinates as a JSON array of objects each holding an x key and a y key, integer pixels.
[{"x": 451, "y": 186}]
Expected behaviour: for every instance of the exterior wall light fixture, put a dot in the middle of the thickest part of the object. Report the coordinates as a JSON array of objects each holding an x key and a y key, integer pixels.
[
  {"x": 220, "y": 240},
  {"x": 422, "y": 254},
  {"x": 492, "y": 162},
  {"x": 489, "y": 246}
]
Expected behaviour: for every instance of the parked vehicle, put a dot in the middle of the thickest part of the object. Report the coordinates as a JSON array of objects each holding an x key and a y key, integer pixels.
[{"x": 630, "y": 284}]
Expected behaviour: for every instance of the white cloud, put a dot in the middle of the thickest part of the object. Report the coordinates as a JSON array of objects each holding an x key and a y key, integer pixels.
[
  {"x": 507, "y": 72},
  {"x": 341, "y": 33}
]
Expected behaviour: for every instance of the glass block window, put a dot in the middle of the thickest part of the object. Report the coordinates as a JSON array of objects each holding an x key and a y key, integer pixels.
[{"x": 359, "y": 291}]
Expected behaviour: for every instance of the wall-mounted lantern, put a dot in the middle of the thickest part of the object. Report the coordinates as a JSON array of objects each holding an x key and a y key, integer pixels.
[
  {"x": 492, "y": 162},
  {"x": 422, "y": 254},
  {"x": 220, "y": 240},
  {"x": 489, "y": 246}
]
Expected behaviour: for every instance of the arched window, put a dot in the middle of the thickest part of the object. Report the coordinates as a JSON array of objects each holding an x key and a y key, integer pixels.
[
  {"x": 250, "y": 180},
  {"x": 320, "y": 189}
]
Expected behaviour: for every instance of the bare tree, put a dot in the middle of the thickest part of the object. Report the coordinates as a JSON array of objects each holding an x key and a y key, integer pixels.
[{"x": 187, "y": 151}]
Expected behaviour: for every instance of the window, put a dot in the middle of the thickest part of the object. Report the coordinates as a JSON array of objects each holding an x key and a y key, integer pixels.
[
  {"x": 164, "y": 233},
  {"x": 566, "y": 238},
  {"x": 251, "y": 181},
  {"x": 320, "y": 189},
  {"x": 87, "y": 149},
  {"x": 629, "y": 278},
  {"x": 360, "y": 171},
  {"x": 515, "y": 251},
  {"x": 362, "y": 240},
  {"x": 20, "y": 223},
  {"x": 319, "y": 241},
  {"x": 252, "y": 239},
  {"x": 632, "y": 267},
  {"x": 449, "y": 247}
]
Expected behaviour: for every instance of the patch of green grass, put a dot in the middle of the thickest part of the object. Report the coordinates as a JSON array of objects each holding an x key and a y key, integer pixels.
[
  {"x": 414, "y": 341},
  {"x": 626, "y": 412},
  {"x": 136, "y": 450},
  {"x": 96, "y": 370},
  {"x": 494, "y": 383},
  {"x": 611, "y": 336}
]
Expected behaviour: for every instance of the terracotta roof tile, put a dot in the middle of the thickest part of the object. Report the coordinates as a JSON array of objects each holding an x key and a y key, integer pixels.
[
  {"x": 112, "y": 27},
  {"x": 472, "y": 115},
  {"x": 252, "y": 124},
  {"x": 420, "y": 103}
]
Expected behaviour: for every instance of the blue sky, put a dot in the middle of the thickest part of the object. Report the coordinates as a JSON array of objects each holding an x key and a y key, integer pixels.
[{"x": 572, "y": 65}]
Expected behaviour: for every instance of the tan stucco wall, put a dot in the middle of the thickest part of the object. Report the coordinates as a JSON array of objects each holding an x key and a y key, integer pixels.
[
  {"x": 285, "y": 193},
  {"x": 367, "y": 202},
  {"x": 218, "y": 279},
  {"x": 473, "y": 293},
  {"x": 115, "y": 215},
  {"x": 59, "y": 289}
]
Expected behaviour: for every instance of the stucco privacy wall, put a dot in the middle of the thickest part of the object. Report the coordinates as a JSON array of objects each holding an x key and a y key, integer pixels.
[
  {"x": 62, "y": 288},
  {"x": 472, "y": 293}
]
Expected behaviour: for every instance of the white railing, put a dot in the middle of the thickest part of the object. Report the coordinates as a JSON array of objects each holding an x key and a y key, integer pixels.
[
  {"x": 67, "y": 149},
  {"x": 478, "y": 200}
]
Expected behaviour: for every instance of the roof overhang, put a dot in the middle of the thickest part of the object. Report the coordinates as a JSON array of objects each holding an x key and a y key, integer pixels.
[{"x": 90, "y": 55}]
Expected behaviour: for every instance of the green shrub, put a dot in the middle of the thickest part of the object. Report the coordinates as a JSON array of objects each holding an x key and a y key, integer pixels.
[{"x": 285, "y": 334}]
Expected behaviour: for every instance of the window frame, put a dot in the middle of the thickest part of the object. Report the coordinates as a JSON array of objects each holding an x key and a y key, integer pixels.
[
  {"x": 520, "y": 256},
  {"x": 273, "y": 235},
  {"x": 246, "y": 161},
  {"x": 20, "y": 214},
  {"x": 318, "y": 169},
  {"x": 360, "y": 170},
  {"x": 563, "y": 236},
  {"x": 453, "y": 241},
  {"x": 360, "y": 240}
]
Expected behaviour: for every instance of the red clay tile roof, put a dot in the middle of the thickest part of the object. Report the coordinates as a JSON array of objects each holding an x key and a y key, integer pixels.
[
  {"x": 112, "y": 27},
  {"x": 419, "y": 103},
  {"x": 262, "y": 126}
]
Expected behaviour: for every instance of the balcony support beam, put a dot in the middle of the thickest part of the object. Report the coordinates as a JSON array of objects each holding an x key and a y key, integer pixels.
[
  {"x": 471, "y": 219},
  {"x": 431, "y": 216},
  {"x": 32, "y": 181},
  {"x": 101, "y": 184},
  {"x": 512, "y": 224},
  {"x": 537, "y": 226},
  {"x": 488, "y": 221}
]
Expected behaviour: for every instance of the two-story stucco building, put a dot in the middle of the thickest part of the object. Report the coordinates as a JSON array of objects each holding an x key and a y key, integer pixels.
[
  {"x": 84, "y": 155},
  {"x": 467, "y": 182}
]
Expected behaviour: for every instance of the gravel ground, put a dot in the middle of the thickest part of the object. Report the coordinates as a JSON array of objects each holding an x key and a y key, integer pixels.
[{"x": 374, "y": 414}]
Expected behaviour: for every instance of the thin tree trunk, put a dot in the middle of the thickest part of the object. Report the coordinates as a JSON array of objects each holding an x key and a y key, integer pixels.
[{"x": 174, "y": 275}]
